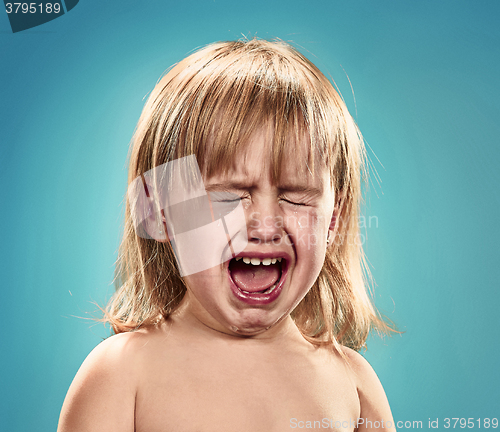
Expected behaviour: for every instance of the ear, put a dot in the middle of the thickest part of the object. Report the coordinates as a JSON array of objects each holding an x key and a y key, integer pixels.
[
  {"x": 155, "y": 224},
  {"x": 148, "y": 218}
]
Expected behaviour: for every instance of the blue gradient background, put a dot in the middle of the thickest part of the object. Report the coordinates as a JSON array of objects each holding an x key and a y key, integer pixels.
[{"x": 425, "y": 80}]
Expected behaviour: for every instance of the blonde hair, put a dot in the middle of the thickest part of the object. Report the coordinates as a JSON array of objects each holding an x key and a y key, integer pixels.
[{"x": 208, "y": 105}]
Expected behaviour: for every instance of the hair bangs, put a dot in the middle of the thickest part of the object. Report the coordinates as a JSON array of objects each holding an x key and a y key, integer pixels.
[{"x": 231, "y": 97}]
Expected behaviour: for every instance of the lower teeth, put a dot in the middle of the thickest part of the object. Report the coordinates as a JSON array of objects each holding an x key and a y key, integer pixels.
[{"x": 267, "y": 291}]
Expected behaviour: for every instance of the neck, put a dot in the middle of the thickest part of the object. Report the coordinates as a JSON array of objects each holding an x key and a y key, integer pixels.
[{"x": 198, "y": 322}]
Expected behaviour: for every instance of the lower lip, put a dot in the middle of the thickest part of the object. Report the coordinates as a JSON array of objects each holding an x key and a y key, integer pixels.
[{"x": 258, "y": 299}]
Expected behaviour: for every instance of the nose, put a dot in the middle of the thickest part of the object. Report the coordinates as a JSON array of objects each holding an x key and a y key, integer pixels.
[{"x": 265, "y": 223}]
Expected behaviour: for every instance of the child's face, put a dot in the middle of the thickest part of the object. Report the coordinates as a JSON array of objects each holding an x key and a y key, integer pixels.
[{"x": 287, "y": 222}]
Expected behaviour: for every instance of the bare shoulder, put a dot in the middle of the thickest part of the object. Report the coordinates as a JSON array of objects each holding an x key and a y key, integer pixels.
[
  {"x": 102, "y": 394},
  {"x": 361, "y": 369},
  {"x": 375, "y": 410}
]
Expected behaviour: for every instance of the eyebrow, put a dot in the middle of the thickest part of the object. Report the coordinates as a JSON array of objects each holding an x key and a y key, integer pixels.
[
  {"x": 217, "y": 187},
  {"x": 295, "y": 188}
]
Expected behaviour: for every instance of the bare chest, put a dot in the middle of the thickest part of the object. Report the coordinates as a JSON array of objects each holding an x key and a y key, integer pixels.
[{"x": 231, "y": 394}]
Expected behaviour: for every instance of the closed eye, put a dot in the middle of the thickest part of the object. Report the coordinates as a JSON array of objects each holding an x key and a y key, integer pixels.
[
  {"x": 226, "y": 201},
  {"x": 223, "y": 197},
  {"x": 299, "y": 204}
]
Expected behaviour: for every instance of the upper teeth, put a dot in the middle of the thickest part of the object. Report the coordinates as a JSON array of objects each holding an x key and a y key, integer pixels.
[{"x": 258, "y": 261}]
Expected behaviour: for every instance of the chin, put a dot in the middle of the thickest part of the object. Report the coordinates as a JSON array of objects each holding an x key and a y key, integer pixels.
[{"x": 253, "y": 322}]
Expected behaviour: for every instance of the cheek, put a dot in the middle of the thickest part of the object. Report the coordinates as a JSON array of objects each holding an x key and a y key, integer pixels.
[
  {"x": 307, "y": 228},
  {"x": 204, "y": 285},
  {"x": 311, "y": 248}
]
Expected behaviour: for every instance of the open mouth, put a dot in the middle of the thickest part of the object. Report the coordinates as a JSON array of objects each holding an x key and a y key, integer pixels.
[{"x": 257, "y": 279}]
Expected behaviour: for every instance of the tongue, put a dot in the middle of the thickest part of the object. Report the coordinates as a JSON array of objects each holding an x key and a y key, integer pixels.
[{"x": 254, "y": 278}]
